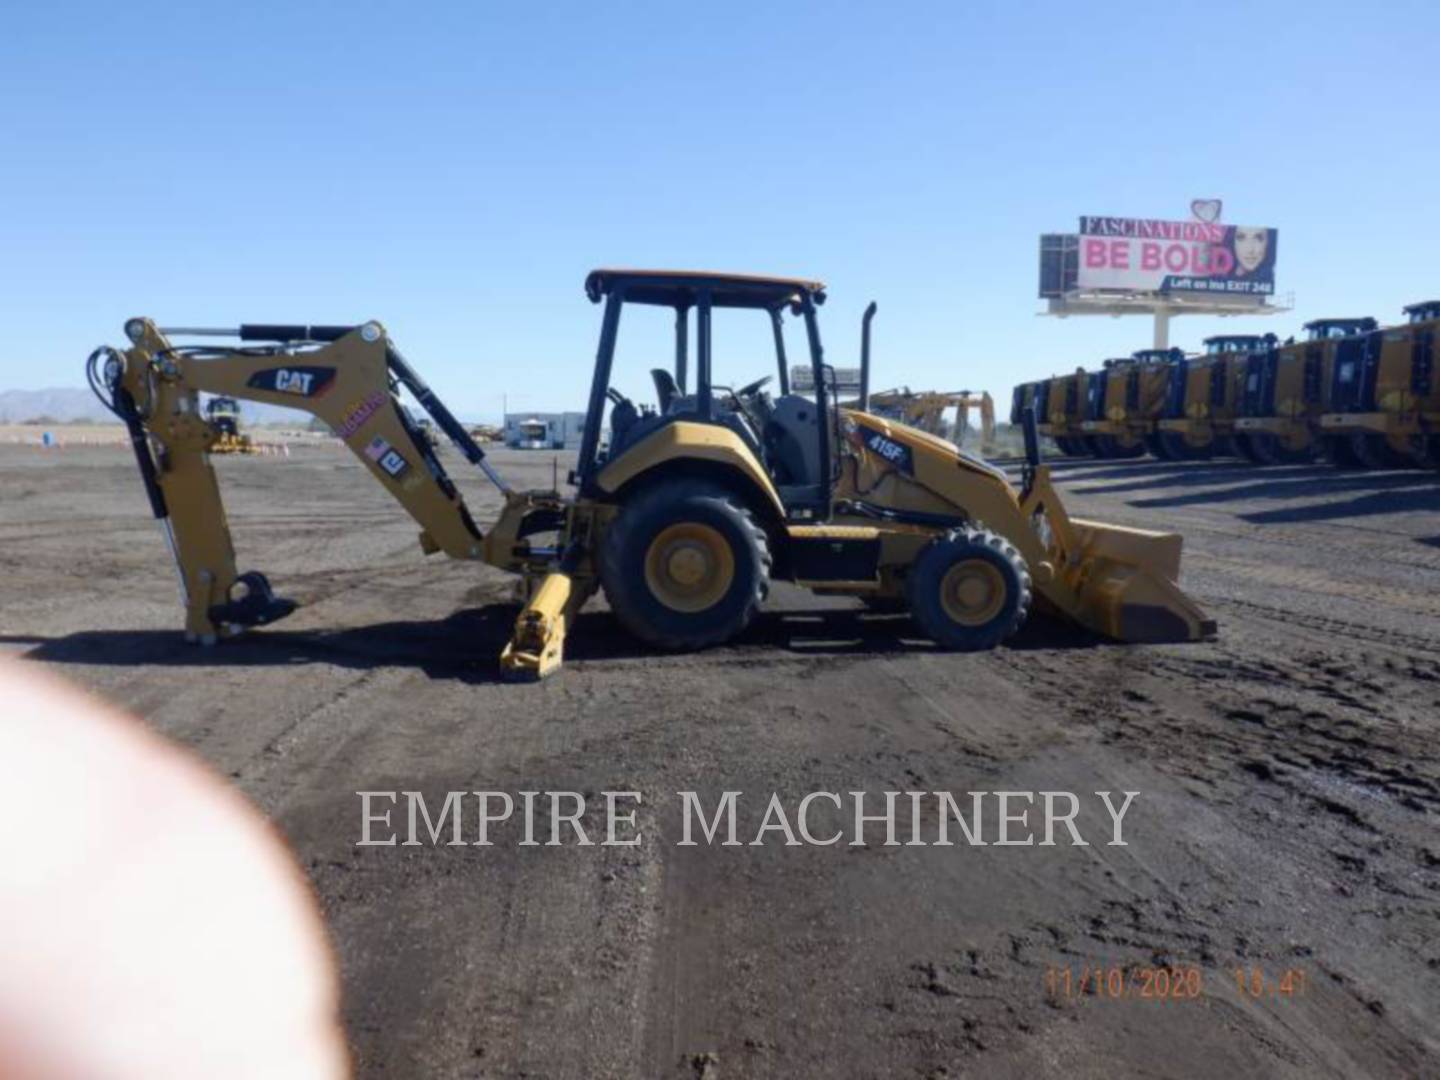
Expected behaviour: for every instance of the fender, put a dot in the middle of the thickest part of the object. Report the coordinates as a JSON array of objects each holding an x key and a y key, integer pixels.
[{"x": 689, "y": 440}]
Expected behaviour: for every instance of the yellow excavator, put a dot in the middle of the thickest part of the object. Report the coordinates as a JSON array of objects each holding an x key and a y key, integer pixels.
[{"x": 696, "y": 503}]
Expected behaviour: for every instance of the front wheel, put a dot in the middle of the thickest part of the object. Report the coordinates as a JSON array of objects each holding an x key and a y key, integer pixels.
[
  {"x": 685, "y": 565},
  {"x": 969, "y": 590}
]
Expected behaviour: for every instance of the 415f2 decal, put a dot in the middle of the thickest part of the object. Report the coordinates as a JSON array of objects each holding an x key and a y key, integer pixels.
[{"x": 880, "y": 444}]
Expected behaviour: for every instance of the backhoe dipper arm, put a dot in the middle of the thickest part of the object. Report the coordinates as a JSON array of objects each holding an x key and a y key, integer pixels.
[{"x": 342, "y": 375}]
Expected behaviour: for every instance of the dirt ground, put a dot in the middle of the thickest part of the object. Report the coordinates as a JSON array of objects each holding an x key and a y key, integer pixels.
[{"x": 1289, "y": 780}]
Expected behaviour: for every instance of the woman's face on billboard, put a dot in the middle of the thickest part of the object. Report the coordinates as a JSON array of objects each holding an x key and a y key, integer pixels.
[{"x": 1250, "y": 245}]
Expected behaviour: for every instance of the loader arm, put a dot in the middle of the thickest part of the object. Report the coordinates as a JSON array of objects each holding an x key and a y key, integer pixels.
[
  {"x": 346, "y": 376},
  {"x": 1117, "y": 581}
]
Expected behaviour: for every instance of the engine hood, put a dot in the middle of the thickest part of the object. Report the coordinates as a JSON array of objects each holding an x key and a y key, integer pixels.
[{"x": 881, "y": 436}]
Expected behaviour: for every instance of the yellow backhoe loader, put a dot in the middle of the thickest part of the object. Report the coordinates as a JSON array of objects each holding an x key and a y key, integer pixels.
[
  {"x": 1286, "y": 390},
  {"x": 1202, "y": 398},
  {"x": 1126, "y": 398},
  {"x": 224, "y": 416},
  {"x": 1384, "y": 404},
  {"x": 695, "y": 505},
  {"x": 1060, "y": 406}
]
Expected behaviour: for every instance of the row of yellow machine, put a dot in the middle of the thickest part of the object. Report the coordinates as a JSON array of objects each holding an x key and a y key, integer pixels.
[
  {"x": 1348, "y": 390},
  {"x": 700, "y": 497}
]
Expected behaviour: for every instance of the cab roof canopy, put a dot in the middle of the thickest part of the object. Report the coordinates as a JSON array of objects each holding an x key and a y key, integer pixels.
[
  {"x": 681, "y": 288},
  {"x": 1366, "y": 323},
  {"x": 1423, "y": 306},
  {"x": 1239, "y": 339}
]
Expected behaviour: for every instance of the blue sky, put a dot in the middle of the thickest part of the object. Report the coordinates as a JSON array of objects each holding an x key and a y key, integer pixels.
[{"x": 455, "y": 169}]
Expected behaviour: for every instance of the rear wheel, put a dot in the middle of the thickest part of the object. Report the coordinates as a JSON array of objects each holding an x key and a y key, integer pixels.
[
  {"x": 969, "y": 590},
  {"x": 1424, "y": 451},
  {"x": 1110, "y": 446},
  {"x": 1245, "y": 447},
  {"x": 1375, "y": 451},
  {"x": 685, "y": 565},
  {"x": 885, "y": 605},
  {"x": 1268, "y": 449},
  {"x": 1340, "y": 452},
  {"x": 1172, "y": 446},
  {"x": 1159, "y": 446}
]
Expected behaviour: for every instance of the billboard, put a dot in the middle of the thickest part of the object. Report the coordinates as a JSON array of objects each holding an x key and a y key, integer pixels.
[{"x": 1149, "y": 255}]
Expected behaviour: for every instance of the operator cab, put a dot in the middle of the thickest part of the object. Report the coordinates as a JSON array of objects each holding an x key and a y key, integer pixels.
[
  {"x": 224, "y": 413},
  {"x": 1330, "y": 329},
  {"x": 778, "y": 419},
  {"x": 1425, "y": 311},
  {"x": 1222, "y": 344},
  {"x": 1157, "y": 356}
]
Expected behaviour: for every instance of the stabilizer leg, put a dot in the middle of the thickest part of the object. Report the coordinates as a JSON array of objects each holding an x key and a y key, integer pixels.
[{"x": 537, "y": 647}]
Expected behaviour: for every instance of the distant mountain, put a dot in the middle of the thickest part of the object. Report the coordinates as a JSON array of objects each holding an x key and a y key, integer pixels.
[
  {"x": 65, "y": 403},
  {"x": 58, "y": 403}
]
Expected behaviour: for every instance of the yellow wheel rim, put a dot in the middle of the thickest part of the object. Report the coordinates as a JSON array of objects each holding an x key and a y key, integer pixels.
[
  {"x": 972, "y": 592},
  {"x": 689, "y": 567}
]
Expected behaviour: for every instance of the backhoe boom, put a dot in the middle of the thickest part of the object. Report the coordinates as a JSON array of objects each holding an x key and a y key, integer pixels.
[{"x": 346, "y": 376}]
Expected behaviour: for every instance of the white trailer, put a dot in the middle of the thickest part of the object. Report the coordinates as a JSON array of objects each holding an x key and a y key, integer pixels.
[{"x": 544, "y": 431}]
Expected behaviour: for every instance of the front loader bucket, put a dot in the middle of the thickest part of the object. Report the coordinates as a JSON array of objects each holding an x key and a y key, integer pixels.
[{"x": 1125, "y": 585}]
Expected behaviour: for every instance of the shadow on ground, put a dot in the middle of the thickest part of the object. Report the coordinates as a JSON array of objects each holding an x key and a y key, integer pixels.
[
  {"x": 1388, "y": 492},
  {"x": 1246, "y": 477},
  {"x": 1389, "y": 499},
  {"x": 467, "y": 645}
]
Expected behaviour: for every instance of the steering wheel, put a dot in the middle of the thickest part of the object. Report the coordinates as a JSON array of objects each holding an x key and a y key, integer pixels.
[
  {"x": 750, "y": 388},
  {"x": 743, "y": 399}
]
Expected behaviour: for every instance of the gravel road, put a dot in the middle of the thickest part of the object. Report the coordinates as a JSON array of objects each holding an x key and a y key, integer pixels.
[{"x": 1285, "y": 827}]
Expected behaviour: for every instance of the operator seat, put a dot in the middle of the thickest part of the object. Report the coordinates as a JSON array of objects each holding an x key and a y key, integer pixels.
[
  {"x": 666, "y": 389},
  {"x": 623, "y": 418},
  {"x": 792, "y": 440},
  {"x": 628, "y": 426}
]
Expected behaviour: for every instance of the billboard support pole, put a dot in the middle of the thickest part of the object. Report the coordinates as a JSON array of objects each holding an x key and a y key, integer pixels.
[{"x": 1162, "y": 328}]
